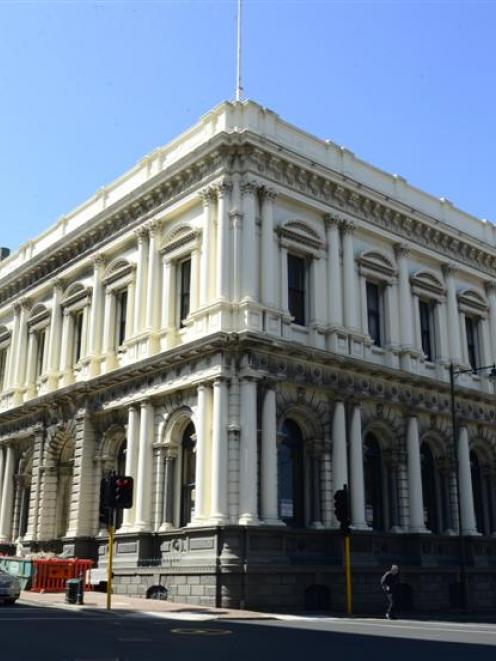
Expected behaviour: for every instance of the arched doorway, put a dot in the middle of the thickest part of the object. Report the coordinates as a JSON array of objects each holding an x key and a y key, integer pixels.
[
  {"x": 291, "y": 497},
  {"x": 188, "y": 475},
  {"x": 374, "y": 483},
  {"x": 65, "y": 469},
  {"x": 429, "y": 488}
]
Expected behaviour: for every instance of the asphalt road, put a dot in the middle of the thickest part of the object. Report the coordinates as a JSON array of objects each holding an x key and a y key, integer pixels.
[{"x": 29, "y": 633}]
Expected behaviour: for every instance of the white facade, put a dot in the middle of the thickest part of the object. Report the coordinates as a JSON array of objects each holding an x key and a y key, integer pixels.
[{"x": 167, "y": 299}]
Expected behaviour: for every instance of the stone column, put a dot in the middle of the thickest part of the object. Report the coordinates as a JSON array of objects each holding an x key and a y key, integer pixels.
[
  {"x": 356, "y": 469},
  {"x": 168, "y": 502},
  {"x": 153, "y": 279},
  {"x": 334, "y": 280},
  {"x": 132, "y": 445},
  {"x": 486, "y": 354},
  {"x": 96, "y": 312},
  {"x": 491, "y": 295},
  {"x": 67, "y": 348},
  {"x": 168, "y": 298},
  {"x": 109, "y": 340},
  {"x": 405, "y": 297},
  {"x": 469, "y": 526},
  {"x": 394, "y": 523},
  {"x": 339, "y": 451},
  {"x": 54, "y": 336},
  {"x": 223, "y": 258},
  {"x": 34, "y": 500},
  {"x": 141, "y": 279},
  {"x": 84, "y": 492},
  {"x": 492, "y": 497},
  {"x": 20, "y": 362},
  {"x": 143, "y": 482},
  {"x": 268, "y": 464},
  {"x": 250, "y": 261},
  {"x": 326, "y": 478},
  {"x": 31, "y": 363},
  {"x": 350, "y": 292},
  {"x": 219, "y": 452},
  {"x": 415, "y": 498},
  {"x": 455, "y": 349},
  {"x": 267, "y": 247},
  {"x": 284, "y": 279},
  {"x": 195, "y": 277},
  {"x": 7, "y": 502},
  {"x": 237, "y": 231},
  {"x": 12, "y": 354},
  {"x": 201, "y": 454},
  {"x": 318, "y": 302},
  {"x": 208, "y": 200},
  {"x": 248, "y": 453}
]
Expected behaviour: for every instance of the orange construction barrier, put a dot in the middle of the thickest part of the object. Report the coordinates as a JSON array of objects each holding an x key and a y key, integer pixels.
[{"x": 50, "y": 575}]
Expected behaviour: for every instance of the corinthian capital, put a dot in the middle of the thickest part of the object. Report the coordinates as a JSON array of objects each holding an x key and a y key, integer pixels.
[
  {"x": 249, "y": 187},
  {"x": 223, "y": 188},
  {"x": 207, "y": 195},
  {"x": 348, "y": 226},
  {"x": 141, "y": 233},
  {"x": 449, "y": 269},
  {"x": 402, "y": 249},
  {"x": 332, "y": 220}
]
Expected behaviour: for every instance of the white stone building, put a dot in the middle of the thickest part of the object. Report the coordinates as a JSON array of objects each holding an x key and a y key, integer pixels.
[{"x": 244, "y": 322}]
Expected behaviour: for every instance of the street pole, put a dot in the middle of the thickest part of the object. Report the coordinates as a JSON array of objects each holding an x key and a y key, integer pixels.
[
  {"x": 347, "y": 571},
  {"x": 461, "y": 540},
  {"x": 111, "y": 533}
]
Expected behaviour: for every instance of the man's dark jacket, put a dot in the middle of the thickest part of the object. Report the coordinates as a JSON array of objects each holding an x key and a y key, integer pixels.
[{"x": 389, "y": 582}]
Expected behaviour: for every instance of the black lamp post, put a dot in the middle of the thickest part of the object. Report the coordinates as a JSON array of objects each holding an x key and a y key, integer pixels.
[{"x": 453, "y": 374}]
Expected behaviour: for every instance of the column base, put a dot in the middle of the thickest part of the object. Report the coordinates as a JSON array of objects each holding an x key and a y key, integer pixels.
[
  {"x": 471, "y": 532},
  {"x": 217, "y": 520},
  {"x": 249, "y": 520},
  {"x": 420, "y": 530},
  {"x": 360, "y": 526}
]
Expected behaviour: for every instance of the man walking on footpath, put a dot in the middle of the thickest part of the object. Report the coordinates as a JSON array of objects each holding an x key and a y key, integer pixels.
[{"x": 389, "y": 583}]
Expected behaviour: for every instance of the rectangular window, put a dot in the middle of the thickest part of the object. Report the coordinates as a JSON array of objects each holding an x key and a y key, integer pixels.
[
  {"x": 471, "y": 328},
  {"x": 426, "y": 313},
  {"x": 78, "y": 335},
  {"x": 121, "y": 316},
  {"x": 40, "y": 356},
  {"x": 3, "y": 365},
  {"x": 185, "y": 290},
  {"x": 296, "y": 288},
  {"x": 374, "y": 312}
]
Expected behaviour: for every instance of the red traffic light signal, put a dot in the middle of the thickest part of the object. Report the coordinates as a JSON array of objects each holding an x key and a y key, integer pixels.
[
  {"x": 121, "y": 492},
  {"x": 342, "y": 509}
]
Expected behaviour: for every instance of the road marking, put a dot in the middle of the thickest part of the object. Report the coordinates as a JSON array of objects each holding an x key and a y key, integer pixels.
[
  {"x": 186, "y": 617},
  {"x": 201, "y": 632},
  {"x": 134, "y": 640}
]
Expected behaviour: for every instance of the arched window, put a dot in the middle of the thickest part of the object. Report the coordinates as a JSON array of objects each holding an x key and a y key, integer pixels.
[
  {"x": 188, "y": 475},
  {"x": 373, "y": 476},
  {"x": 429, "y": 486},
  {"x": 290, "y": 472},
  {"x": 477, "y": 489}
]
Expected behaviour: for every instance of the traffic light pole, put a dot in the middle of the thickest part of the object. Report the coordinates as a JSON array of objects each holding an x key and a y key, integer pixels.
[
  {"x": 347, "y": 572},
  {"x": 111, "y": 533}
]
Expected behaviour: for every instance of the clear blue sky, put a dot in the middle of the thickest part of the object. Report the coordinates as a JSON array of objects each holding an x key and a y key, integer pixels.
[{"x": 88, "y": 88}]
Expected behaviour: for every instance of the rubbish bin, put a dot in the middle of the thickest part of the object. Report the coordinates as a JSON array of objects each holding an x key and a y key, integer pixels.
[{"x": 72, "y": 591}]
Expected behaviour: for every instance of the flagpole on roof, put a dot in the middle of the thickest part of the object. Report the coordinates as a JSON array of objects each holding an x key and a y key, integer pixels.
[{"x": 239, "y": 88}]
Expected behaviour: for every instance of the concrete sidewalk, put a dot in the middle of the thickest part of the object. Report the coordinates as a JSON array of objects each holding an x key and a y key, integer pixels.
[{"x": 122, "y": 603}]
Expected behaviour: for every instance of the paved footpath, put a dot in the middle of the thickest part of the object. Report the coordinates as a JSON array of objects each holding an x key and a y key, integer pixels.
[{"x": 125, "y": 604}]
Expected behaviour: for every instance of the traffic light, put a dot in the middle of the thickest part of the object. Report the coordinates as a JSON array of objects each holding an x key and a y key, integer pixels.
[
  {"x": 121, "y": 492},
  {"x": 342, "y": 509}
]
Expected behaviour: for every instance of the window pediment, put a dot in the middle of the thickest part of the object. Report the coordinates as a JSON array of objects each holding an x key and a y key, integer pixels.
[
  {"x": 428, "y": 285},
  {"x": 472, "y": 303},
  {"x": 376, "y": 265},
  {"x": 120, "y": 269},
  {"x": 299, "y": 233},
  {"x": 76, "y": 296},
  {"x": 39, "y": 316},
  {"x": 179, "y": 238}
]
